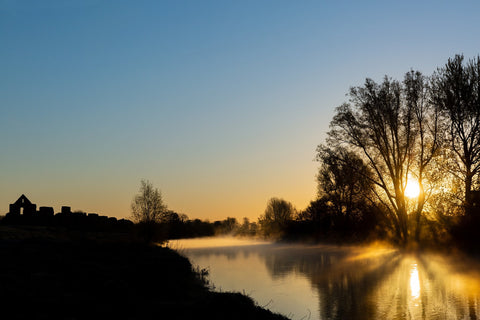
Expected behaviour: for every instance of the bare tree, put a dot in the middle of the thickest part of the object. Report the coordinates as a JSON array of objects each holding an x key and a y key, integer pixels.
[
  {"x": 397, "y": 131},
  {"x": 378, "y": 124},
  {"x": 428, "y": 128},
  {"x": 456, "y": 89},
  {"x": 343, "y": 179},
  {"x": 148, "y": 209}
]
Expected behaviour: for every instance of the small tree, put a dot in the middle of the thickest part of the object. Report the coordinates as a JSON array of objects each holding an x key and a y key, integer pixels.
[
  {"x": 344, "y": 180},
  {"x": 148, "y": 209},
  {"x": 277, "y": 215}
]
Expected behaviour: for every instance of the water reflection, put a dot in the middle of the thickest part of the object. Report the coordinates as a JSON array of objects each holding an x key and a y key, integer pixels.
[
  {"x": 325, "y": 282},
  {"x": 414, "y": 282}
]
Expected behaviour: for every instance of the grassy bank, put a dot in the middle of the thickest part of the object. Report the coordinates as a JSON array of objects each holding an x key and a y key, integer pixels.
[{"x": 49, "y": 277}]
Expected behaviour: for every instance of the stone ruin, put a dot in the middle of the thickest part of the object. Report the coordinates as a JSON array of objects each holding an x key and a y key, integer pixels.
[
  {"x": 24, "y": 212},
  {"x": 23, "y": 203}
]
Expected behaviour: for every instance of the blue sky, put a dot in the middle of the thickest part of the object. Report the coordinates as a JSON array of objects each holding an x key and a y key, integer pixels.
[{"x": 220, "y": 104}]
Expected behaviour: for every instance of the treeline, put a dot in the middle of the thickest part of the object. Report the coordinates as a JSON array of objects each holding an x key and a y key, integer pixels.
[
  {"x": 154, "y": 222},
  {"x": 320, "y": 221},
  {"x": 178, "y": 226},
  {"x": 281, "y": 221},
  {"x": 401, "y": 162},
  {"x": 423, "y": 131}
]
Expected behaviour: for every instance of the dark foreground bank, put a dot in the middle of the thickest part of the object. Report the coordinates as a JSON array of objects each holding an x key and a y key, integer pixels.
[{"x": 85, "y": 279}]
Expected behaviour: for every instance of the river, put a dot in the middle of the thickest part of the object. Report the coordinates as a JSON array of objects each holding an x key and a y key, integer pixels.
[{"x": 330, "y": 282}]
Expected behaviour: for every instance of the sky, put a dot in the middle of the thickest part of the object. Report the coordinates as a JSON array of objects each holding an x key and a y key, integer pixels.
[{"x": 219, "y": 104}]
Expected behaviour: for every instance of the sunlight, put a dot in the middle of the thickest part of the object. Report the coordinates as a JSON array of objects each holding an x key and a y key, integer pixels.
[
  {"x": 412, "y": 190},
  {"x": 375, "y": 250}
]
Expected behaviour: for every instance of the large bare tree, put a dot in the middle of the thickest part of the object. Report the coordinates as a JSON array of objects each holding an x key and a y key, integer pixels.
[
  {"x": 456, "y": 89},
  {"x": 429, "y": 129},
  {"x": 393, "y": 127}
]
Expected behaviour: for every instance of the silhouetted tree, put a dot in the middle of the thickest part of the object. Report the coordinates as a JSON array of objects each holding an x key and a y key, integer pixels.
[
  {"x": 227, "y": 226},
  {"x": 183, "y": 217},
  {"x": 247, "y": 228},
  {"x": 230, "y": 224},
  {"x": 456, "y": 89},
  {"x": 148, "y": 209},
  {"x": 343, "y": 179},
  {"x": 170, "y": 216},
  {"x": 379, "y": 123},
  {"x": 315, "y": 211},
  {"x": 277, "y": 215},
  {"x": 319, "y": 216},
  {"x": 428, "y": 128}
]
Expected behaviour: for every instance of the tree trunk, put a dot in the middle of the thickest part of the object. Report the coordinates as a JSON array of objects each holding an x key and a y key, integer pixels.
[
  {"x": 418, "y": 213},
  {"x": 403, "y": 223},
  {"x": 468, "y": 191}
]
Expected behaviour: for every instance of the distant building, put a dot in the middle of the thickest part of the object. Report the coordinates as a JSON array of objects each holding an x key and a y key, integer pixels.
[
  {"x": 23, "y": 203},
  {"x": 24, "y": 212}
]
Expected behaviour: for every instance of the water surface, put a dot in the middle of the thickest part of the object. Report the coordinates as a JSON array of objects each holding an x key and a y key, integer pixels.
[{"x": 329, "y": 282}]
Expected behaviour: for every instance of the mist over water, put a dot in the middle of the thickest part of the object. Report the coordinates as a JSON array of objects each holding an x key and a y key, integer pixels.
[{"x": 329, "y": 282}]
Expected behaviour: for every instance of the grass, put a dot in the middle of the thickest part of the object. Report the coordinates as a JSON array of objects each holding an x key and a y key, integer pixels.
[{"x": 44, "y": 274}]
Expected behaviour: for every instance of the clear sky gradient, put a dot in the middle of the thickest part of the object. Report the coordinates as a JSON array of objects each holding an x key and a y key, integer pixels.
[{"x": 220, "y": 104}]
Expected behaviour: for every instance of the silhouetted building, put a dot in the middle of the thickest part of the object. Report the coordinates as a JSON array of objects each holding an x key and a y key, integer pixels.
[
  {"x": 46, "y": 211},
  {"x": 23, "y": 203},
  {"x": 66, "y": 210},
  {"x": 46, "y": 216}
]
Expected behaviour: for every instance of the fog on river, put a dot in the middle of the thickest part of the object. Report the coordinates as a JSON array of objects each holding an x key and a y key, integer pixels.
[{"x": 330, "y": 282}]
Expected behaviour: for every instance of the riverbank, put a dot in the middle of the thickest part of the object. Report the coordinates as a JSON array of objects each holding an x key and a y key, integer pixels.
[{"x": 48, "y": 276}]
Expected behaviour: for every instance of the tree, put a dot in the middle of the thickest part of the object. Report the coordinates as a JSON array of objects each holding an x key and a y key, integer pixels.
[
  {"x": 277, "y": 215},
  {"x": 317, "y": 212},
  {"x": 377, "y": 124},
  {"x": 397, "y": 131},
  {"x": 148, "y": 209},
  {"x": 226, "y": 226},
  {"x": 247, "y": 228},
  {"x": 456, "y": 90},
  {"x": 428, "y": 128},
  {"x": 380, "y": 124},
  {"x": 343, "y": 180},
  {"x": 345, "y": 207}
]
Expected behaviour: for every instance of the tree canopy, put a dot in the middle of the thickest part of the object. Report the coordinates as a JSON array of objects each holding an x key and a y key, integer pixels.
[
  {"x": 407, "y": 131},
  {"x": 148, "y": 206},
  {"x": 276, "y": 216},
  {"x": 456, "y": 90}
]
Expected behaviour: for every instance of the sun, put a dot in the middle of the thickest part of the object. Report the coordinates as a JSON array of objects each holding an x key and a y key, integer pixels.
[{"x": 412, "y": 190}]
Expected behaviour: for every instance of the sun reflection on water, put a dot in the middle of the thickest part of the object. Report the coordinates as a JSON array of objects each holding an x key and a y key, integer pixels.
[
  {"x": 329, "y": 282},
  {"x": 414, "y": 282}
]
